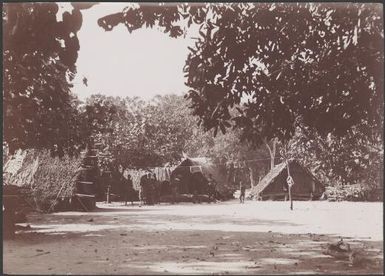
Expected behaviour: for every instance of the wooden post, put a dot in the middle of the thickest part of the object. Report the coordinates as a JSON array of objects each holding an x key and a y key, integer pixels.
[
  {"x": 290, "y": 183},
  {"x": 108, "y": 194},
  {"x": 291, "y": 200}
]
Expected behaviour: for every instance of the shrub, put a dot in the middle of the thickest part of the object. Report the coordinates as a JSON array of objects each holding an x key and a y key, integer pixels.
[{"x": 356, "y": 192}]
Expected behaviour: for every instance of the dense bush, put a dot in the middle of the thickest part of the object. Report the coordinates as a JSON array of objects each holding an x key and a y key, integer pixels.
[{"x": 357, "y": 192}]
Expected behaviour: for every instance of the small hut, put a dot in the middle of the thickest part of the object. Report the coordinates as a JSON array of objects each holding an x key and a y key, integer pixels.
[
  {"x": 193, "y": 174},
  {"x": 49, "y": 183},
  {"x": 274, "y": 186}
]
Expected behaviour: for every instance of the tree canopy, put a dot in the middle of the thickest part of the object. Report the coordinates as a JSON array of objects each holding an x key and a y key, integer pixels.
[
  {"x": 277, "y": 63},
  {"x": 351, "y": 159},
  {"x": 140, "y": 133},
  {"x": 137, "y": 133},
  {"x": 39, "y": 55},
  {"x": 308, "y": 73}
]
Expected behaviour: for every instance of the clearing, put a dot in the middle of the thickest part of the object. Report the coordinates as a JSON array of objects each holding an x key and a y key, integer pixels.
[{"x": 222, "y": 238}]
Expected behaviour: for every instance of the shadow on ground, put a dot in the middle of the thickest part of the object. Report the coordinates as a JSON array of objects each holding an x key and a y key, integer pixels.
[
  {"x": 181, "y": 252},
  {"x": 137, "y": 242}
]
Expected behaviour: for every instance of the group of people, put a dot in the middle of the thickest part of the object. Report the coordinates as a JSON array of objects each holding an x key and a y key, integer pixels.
[
  {"x": 149, "y": 193},
  {"x": 129, "y": 191},
  {"x": 151, "y": 189}
]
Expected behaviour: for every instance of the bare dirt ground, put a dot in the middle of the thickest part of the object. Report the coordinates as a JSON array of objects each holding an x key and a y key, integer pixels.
[{"x": 221, "y": 238}]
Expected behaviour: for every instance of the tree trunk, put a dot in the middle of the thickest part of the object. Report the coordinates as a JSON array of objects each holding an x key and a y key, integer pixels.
[
  {"x": 272, "y": 151},
  {"x": 252, "y": 181}
]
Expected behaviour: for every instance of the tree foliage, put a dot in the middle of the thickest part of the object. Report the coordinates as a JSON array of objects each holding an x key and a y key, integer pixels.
[
  {"x": 276, "y": 63},
  {"x": 39, "y": 55},
  {"x": 137, "y": 133},
  {"x": 351, "y": 159}
]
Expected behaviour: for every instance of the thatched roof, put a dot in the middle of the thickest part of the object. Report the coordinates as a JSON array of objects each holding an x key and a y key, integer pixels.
[
  {"x": 19, "y": 169},
  {"x": 275, "y": 172},
  {"x": 204, "y": 163},
  {"x": 45, "y": 177},
  {"x": 208, "y": 167}
]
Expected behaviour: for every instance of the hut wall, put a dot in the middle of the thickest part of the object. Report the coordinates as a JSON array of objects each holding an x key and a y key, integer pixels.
[
  {"x": 277, "y": 185},
  {"x": 303, "y": 183},
  {"x": 191, "y": 181},
  {"x": 188, "y": 181}
]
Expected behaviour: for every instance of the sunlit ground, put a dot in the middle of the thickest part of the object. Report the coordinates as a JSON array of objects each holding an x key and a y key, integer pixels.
[
  {"x": 221, "y": 238},
  {"x": 358, "y": 220}
]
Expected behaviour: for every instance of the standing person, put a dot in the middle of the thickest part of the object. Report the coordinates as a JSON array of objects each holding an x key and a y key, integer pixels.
[
  {"x": 242, "y": 188},
  {"x": 212, "y": 183},
  {"x": 156, "y": 189},
  {"x": 150, "y": 190},
  {"x": 143, "y": 189},
  {"x": 129, "y": 190},
  {"x": 109, "y": 187},
  {"x": 175, "y": 182}
]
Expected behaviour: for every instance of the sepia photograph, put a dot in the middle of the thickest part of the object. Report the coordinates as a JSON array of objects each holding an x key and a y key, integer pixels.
[{"x": 193, "y": 138}]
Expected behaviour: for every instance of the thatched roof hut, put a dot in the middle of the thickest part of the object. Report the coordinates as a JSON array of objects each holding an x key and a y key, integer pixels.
[
  {"x": 40, "y": 178},
  {"x": 194, "y": 172},
  {"x": 274, "y": 185}
]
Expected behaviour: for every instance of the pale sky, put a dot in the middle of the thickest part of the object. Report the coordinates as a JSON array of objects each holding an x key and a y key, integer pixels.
[{"x": 144, "y": 63}]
